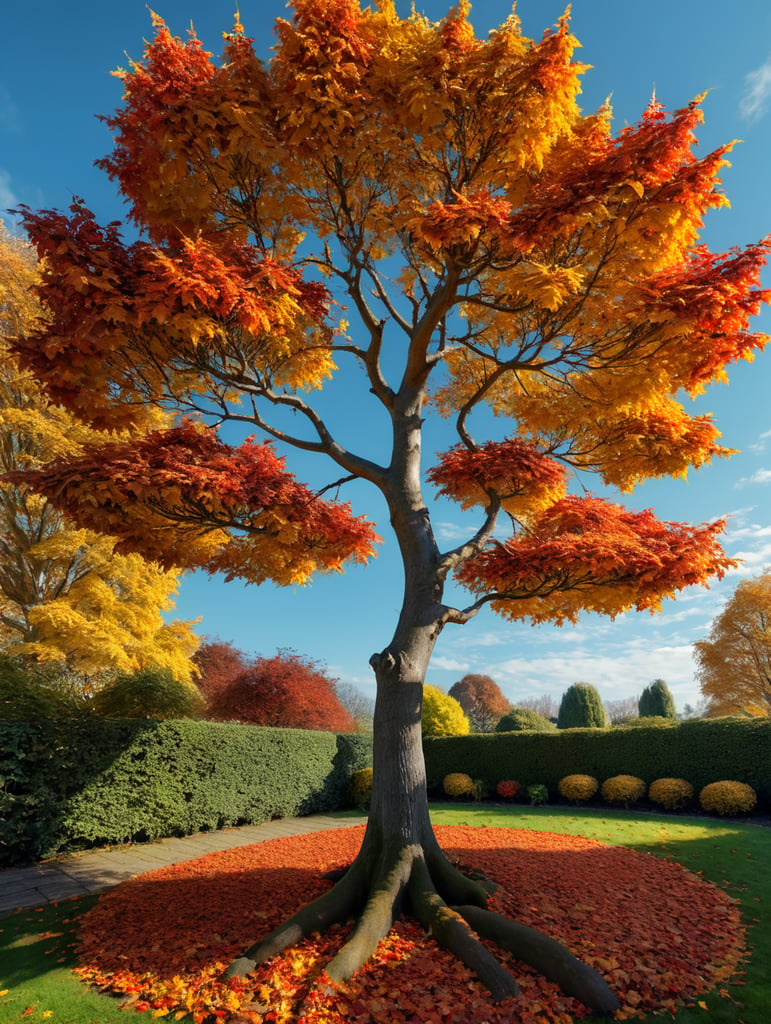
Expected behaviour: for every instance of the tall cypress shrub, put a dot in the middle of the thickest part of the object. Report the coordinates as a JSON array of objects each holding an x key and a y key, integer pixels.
[
  {"x": 582, "y": 708},
  {"x": 657, "y": 700}
]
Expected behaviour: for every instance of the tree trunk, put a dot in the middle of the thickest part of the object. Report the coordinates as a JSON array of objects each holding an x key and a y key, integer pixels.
[{"x": 400, "y": 867}]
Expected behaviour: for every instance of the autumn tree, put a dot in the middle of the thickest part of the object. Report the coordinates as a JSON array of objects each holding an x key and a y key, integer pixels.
[
  {"x": 498, "y": 250},
  {"x": 66, "y": 597},
  {"x": 286, "y": 690},
  {"x": 734, "y": 660},
  {"x": 481, "y": 699},
  {"x": 657, "y": 701},
  {"x": 359, "y": 706},
  {"x": 218, "y": 663}
]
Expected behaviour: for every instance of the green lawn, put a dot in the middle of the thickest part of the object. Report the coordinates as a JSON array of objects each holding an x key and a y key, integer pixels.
[{"x": 36, "y": 946}]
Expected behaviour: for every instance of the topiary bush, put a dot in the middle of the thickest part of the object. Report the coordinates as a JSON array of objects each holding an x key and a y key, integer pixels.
[
  {"x": 657, "y": 701},
  {"x": 578, "y": 788},
  {"x": 673, "y": 794},
  {"x": 524, "y": 720},
  {"x": 361, "y": 787},
  {"x": 728, "y": 797},
  {"x": 457, "y": 784},
  {"x": 507, "y": 788},
  {"x": 581, "y": 707},
  {"x": 623, "y": 789}
]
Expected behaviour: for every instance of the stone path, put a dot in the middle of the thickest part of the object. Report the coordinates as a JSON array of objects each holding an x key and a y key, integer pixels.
[{"x": 97, "y": 870}]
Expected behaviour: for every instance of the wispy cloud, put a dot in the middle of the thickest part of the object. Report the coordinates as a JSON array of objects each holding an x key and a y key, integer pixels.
[
  {"x": 449, "y": 664},
  {"x": 757, "y": 92},
  {"x": 761, "y": 444},
  {"x": 761, "y": 476}
]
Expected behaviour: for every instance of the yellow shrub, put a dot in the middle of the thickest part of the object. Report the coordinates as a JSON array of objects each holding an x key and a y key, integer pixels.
[
  {"x": 623, "y": 789},
  {"x": 458, "y": 784},
  {"x": 670, "y": 793},
  {"x": 578, "y": 787},
  {"x": 728, "y": 798},
  {"x": 361, "y": 787}
]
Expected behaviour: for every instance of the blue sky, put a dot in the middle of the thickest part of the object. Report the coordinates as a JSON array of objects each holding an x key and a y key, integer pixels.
[{"x": 55, "y": 61}]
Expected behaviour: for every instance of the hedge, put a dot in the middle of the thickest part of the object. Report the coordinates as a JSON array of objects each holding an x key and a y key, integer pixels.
[
  {"x": 74, "y": 784},
  {"x": 701, "y": 751}
]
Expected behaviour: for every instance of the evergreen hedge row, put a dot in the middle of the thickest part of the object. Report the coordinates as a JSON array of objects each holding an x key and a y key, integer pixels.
[
  {"x": 701, "y": 751},
  {"x": 74, "y": 784}
]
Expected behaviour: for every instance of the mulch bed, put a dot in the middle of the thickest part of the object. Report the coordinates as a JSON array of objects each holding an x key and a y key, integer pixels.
[{"x": 660, "y": 935}]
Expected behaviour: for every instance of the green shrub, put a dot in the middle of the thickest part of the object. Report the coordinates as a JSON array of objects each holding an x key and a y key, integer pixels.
[
  {"x": 149, "y": 693},
  {"x": 623, "y": 789},
  {"x": 656, "y": 701},
  {"x": 652, "y": 722},
  {"x": 522, "y": 720},
  {"x": 79, "y": 783},
  {"x": 458, "y": 784},
  {"x": 29, "y": 693},
  {"x": 537, "y": 794},
  {"x": 578, "y": 788},
  {"x": 582, "y": 708},
  {"x": 673, "y": 794},
  {"x": 361, "y": 787},
  {"x": 728, "y": 797}
]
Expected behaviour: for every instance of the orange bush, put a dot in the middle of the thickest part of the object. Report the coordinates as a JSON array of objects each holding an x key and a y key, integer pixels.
[
  {"x": 728, "y": 797},
  {"x": 623, "y": 789},
  {"x": 578, "y": 787},
  {"x": 671, "y": 793}
]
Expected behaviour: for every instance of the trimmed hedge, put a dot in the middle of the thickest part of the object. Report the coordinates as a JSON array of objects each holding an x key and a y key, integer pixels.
[
  {"x": 701, "y": 751},
  {"x": 75, "y": 784}
]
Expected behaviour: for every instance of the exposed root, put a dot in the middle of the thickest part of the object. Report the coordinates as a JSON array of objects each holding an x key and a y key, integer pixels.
[
  {"x": 418, "y": 879},
  {"x": 547, "y": 956},
  {"x": 450, "y": 930}
]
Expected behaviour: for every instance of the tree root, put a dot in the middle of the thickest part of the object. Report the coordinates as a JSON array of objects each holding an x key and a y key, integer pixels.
[{"x": 450, "y": 906}]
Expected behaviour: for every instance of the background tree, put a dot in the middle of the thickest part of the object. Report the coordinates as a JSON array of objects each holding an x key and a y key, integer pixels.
[
  {"x": 581, "y": 708},
  {"x": 482, "y": 701},
  {"x": 621, "y": 711},
  {"x": 734, "y": 660},
  {"x": 286, "y": 690},
  {"x": 498, "y": 250},
  {"x": 522, "y": 720},
  {"x": 545, "y": 705},
  {"x": 656, "y": 700},
  {"x": 218, "y": 664},
  {"x": 65, "y": 596},
  {"x": 442, "y": 714},
  {"x": 360, "y": 707},
  {"x": 148, "y": 693}
]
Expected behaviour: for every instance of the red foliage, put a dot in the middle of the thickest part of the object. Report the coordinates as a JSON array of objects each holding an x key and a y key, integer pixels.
[
  {"x": 219, "y": 663},
  {"x": 286, "y": 690},
  {"x": 481, "y": 699},
  {"x": 507, "y": 788},
  {"x": 660, "y": 935}
]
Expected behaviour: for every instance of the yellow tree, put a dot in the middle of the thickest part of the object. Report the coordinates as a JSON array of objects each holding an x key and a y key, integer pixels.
[
  {"x": 499, "y": 250},
  {"x": 65, "y": 596},
  {"x": 734, "y": 661}
]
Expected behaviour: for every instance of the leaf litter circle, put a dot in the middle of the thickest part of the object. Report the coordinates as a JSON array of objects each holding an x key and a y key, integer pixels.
[{"x": 660, "y": 935}]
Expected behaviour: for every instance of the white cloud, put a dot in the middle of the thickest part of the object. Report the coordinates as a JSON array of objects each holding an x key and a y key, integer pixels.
[
  {"x": 761, "y": 476},
  {"x": 757, "y": 93},
  {"x": 760, "y": 445},
  {"x": 449, "y": 664}
]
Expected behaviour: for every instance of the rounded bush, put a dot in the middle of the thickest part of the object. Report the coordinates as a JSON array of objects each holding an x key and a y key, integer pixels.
[
  {"x": 623, "y": 789},
  {"x": 524, "y": 720},
  {"x": 458, "y": 784},
  {"x": 507, "y": 788},
  {"x": 361, "y": 787},
  {"x": 538, "y": 794},
  {"x": 578, "y": 787},
  {"x": 728, "y": 797},
  {"x": 149, "y": 693},
  {"x": 671, "y": 793}
]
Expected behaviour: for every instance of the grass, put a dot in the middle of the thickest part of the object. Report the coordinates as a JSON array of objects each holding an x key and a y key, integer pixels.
[{"x": 37, "y": 946}]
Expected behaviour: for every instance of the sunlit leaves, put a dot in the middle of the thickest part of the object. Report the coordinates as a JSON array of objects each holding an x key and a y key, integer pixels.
[
  {"x": 175, "y": 495},
  {"x": 590, "y": 554},
  {"x": 164, "y": 938}
]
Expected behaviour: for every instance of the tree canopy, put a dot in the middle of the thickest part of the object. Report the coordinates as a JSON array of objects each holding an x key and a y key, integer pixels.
[
  {"x": 66, "y": 597},
  {"x": 481, "y": 699},
  {"x": 496, "y": 250},
  {"x": 442, "y": 714},
  {"x": 734, "y": 659}
]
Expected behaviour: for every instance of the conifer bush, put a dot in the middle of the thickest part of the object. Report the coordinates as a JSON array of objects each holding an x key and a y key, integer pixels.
[
  {"x": 623, "y": 789},
  {"x": 728, "y": 797},
  {"x": 361, "y": 787},
  {"x": 578, "y": 788},
  {"x": 458, "y": 784},
  {"x": 673, "y": 794}
]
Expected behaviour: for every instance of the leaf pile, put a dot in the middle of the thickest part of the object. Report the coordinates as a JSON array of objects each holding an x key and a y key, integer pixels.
[{"x": 659, "y": 934}]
